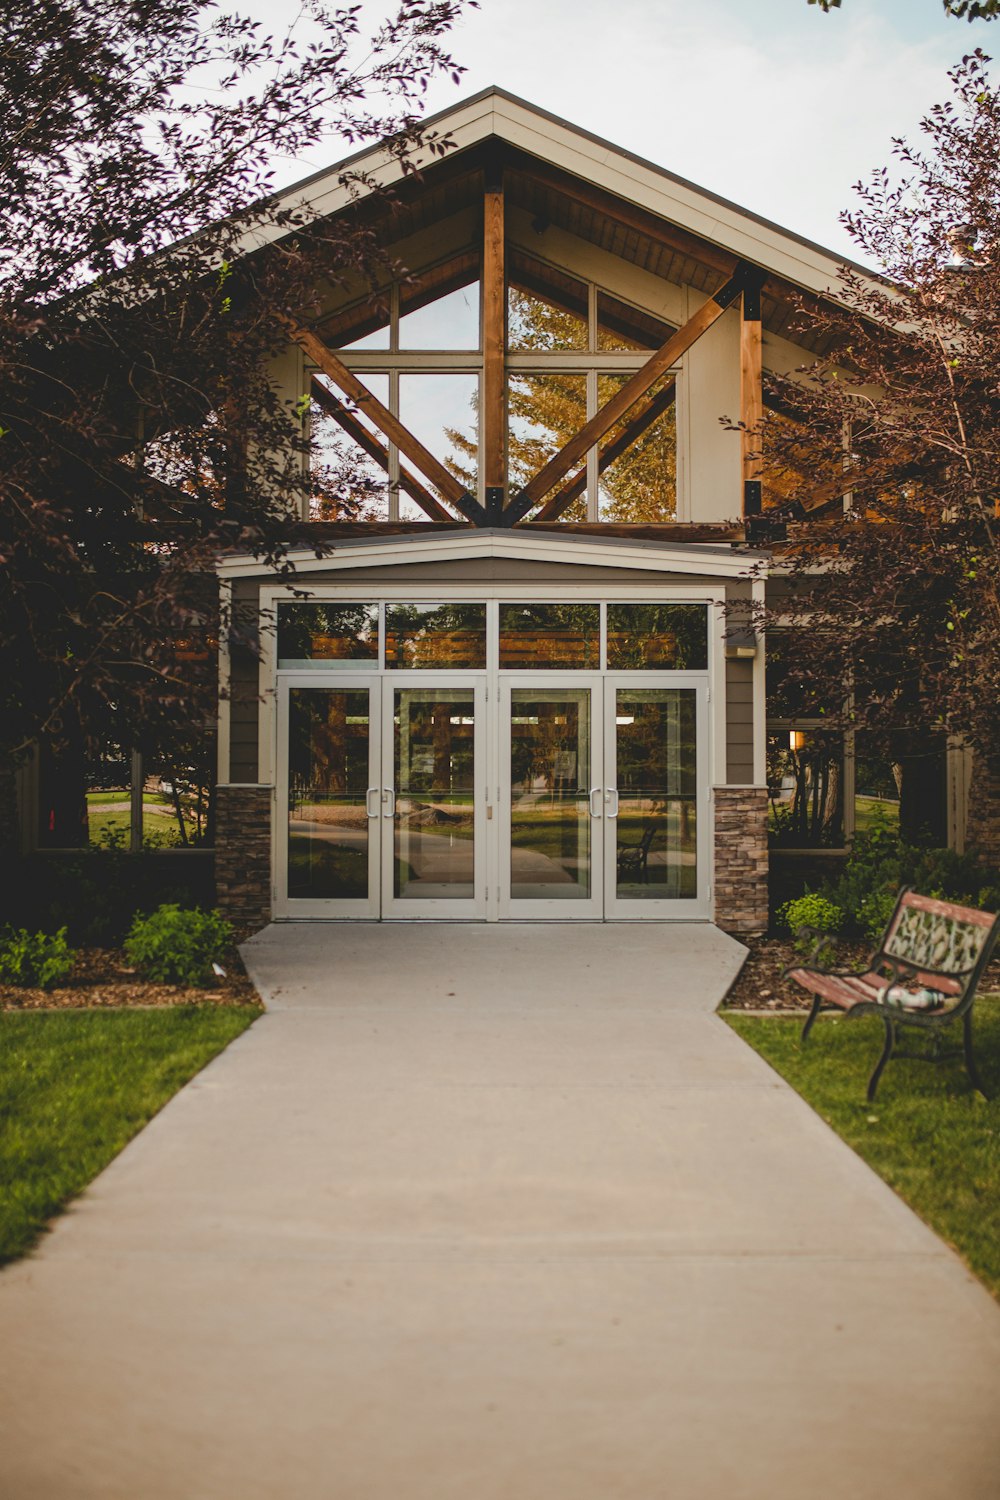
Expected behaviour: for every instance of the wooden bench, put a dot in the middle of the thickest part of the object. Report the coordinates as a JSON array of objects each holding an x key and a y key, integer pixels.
[{"x": 923, "y": 974}]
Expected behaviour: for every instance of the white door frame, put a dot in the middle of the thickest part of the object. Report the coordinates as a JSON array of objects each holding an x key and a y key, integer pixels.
[
  {"x": 426, "y": 909},
  {"x": 617, "y": 908},
  {"x": 353, "y": 909},
  {"x": 590, "y": 908}
]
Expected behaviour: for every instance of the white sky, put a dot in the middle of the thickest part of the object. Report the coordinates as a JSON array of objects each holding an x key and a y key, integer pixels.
[{"x": 770, "y": 103}]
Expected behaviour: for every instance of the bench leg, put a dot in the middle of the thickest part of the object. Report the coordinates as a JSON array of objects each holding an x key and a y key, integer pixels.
[
  {"x": 814, "y": 1012},
  {"x": 970, "y": 1061},
  {"x": 890, "y": 1042}
]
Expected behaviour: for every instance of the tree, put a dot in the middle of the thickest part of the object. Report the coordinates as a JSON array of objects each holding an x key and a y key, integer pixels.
[
  {"x": 972, "y": 10},
  {"x": 141, "y": 434},
  {"x": 892, "y": 620}
]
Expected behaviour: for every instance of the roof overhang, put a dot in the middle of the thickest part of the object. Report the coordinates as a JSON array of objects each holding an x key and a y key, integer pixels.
[
  {"x": 684, "y": 558},
  {"x": 494, "y": 115}
]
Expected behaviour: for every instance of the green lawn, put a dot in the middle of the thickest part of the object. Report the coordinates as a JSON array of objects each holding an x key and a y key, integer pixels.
[
  {"x": 75, "y": 1086},
  {"x": 927, "y": 1134}
]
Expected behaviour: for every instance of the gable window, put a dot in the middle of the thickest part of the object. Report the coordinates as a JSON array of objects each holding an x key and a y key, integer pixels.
[{"x": 570, "y": 347}]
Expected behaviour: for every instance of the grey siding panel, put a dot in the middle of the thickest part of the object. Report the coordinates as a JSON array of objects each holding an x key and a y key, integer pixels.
[
  {"x": 739, "y": 723},
  {"x": 244, "y": 708}
]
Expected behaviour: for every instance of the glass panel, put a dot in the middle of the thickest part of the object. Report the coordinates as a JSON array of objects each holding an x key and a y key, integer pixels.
[
  {"x": 443, "y": 412},
  {"x": 550, "y": 810},
  {"x": 314, "y": 635},
  {"x": 348, "y": 484},
  {"x": 620, "y": 326},
  {"x": 365, "y": 327},
  {"x": 805, "y": 787},
  {"x": 328, "y": 734},
  {"x": 550, "y": 635},
  {"x": 656, "y": 827},
  {"x": 434, "y": 846},
  {"x": 448, "y": 322},
  {"x": 878, "y": 781},
  {"x": 546, "y": 310},
  {"x": 648, "y": 637},
  {"x": 435, "y": 635},
  {"x": 638, "y": 482},
  {"x": 543, "y": 413}
]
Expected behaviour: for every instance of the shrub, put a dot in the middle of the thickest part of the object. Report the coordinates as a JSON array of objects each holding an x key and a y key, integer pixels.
[
  {"x": 34, "y": 958},
  {"x": 875, "y": 911},
  {"x": 812, "y": 910},
  {"x": 175, "y": 946}
]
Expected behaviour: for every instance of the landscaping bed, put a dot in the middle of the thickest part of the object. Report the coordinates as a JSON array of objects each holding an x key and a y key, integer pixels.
[
  {"x": 103, "y": 979},
  {"x": 760, "y": 987}
]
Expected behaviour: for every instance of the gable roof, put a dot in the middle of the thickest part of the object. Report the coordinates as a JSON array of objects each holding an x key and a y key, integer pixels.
[{"x": 533, "y": 135}]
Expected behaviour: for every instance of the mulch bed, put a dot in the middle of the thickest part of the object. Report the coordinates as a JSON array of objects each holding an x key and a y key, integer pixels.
[
  {"x": 101, "y": 979},
  {"x": 759, "y": 985}
]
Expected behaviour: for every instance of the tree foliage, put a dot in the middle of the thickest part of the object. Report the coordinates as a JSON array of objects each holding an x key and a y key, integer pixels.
[
  {"x": 972, "y": 10},
  {"x": 145, "y": 275},
  {"x": 895, "y": 599}
]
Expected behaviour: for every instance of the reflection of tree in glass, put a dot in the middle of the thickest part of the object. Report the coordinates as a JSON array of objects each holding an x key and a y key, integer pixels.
[{"x": 545, "y": 410}]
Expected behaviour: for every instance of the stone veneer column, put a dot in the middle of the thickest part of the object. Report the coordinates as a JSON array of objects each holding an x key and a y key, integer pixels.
[
  {"x": 740, "y": 880},
  {"x": 243, "y": 854}
]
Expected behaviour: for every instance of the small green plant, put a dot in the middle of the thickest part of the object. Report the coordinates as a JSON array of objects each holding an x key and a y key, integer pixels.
[
  {"x": 33, "y": 958},
  {"x": 874, "y": 913},
  {"x": 815, "y": 911},
  {"x": 174, "y": 946}
]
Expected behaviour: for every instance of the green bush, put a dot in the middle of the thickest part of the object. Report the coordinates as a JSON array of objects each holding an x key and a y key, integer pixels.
[
  {"x": 875, "y": 911},
  {"x": 34, "y": 958},
  {"x": 174, "y": 946},
  {"x": 812, "y": 910}
]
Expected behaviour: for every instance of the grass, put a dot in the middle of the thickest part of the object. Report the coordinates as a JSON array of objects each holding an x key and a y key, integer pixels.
[
  {"x": 928, "y": 1134},
  {"x": 76, "y": 1086}
]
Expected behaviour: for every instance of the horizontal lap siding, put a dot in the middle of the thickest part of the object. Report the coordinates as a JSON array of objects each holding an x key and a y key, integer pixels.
[{"x": 739, "y": 723}]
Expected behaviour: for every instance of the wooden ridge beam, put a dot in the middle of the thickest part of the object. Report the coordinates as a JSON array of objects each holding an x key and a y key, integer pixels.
[
  {"x": 624, "y": 399},
  {"x": 369, "y": 442},
  {"x": 563, "y": 499},
  {"x": 390, "y": 427}
]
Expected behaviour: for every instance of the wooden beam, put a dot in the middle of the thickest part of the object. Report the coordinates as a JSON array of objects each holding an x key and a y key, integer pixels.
[
  {"x": 751, "y": 397},
  {"x": 654, "y": 531},
  {"x": 493, "y": 406},
  {"x": 624, "y": 399},
  {"x": 390, "y": 427},
  {"x": 563, "y": 499},
  {"x": 369, "y": 442}
]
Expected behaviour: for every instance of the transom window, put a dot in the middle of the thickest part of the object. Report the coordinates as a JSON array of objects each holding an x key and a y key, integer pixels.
[{"x": 531, "y": 636}]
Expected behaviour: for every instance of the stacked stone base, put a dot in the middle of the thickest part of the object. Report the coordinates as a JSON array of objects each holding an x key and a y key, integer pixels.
[
  {"x": 740, "y": 881},
  {"x": 243, "y": 855}
]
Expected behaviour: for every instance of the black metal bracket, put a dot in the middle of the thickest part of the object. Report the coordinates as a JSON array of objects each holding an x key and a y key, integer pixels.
[
  {"x": 516, "y": 509},
  {"x": 494, "y": 505},
  {"x": 471, "y": 509},
  {"x": 746, "y": 280},
  {"x": 752, "y": 497}
]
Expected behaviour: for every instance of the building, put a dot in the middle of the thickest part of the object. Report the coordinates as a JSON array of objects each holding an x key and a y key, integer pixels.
[{"x": 525, "y": 682}]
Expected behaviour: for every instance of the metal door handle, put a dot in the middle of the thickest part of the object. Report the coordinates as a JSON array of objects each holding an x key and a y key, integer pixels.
[
  {"x": 389, "y": 796},
  {"x": 612, "y": 791},
  {"x": 371, "y": 792},
  {"x": 595, "y": 791}
]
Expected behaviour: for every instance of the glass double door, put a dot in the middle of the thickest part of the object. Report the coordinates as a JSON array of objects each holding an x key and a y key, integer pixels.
[{"x": 577, "y": 798}]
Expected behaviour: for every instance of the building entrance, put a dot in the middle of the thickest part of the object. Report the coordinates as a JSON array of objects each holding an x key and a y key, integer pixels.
[{"x": 465, "y": 796}]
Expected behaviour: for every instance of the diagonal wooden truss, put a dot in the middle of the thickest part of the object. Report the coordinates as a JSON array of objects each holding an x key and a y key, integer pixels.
[{"x": 631, "y": 403}]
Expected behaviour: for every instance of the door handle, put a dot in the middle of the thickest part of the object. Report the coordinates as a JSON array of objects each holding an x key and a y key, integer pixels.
[
  {"x": 389, "y": 797},
  {"x": 371, "y": 792},
  {"x": 595, "y": 791},
  {"x": 612, "y": 791}
]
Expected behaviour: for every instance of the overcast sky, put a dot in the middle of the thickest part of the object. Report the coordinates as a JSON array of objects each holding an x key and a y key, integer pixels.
[{"x": 771, "y": 103}]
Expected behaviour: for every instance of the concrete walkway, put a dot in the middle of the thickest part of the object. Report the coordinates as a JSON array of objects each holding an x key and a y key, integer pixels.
[{"x": 494, "y": 1213}]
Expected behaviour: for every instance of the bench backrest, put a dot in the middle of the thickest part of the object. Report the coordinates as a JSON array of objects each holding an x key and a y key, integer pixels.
[{"x": 941, "y": 938}]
